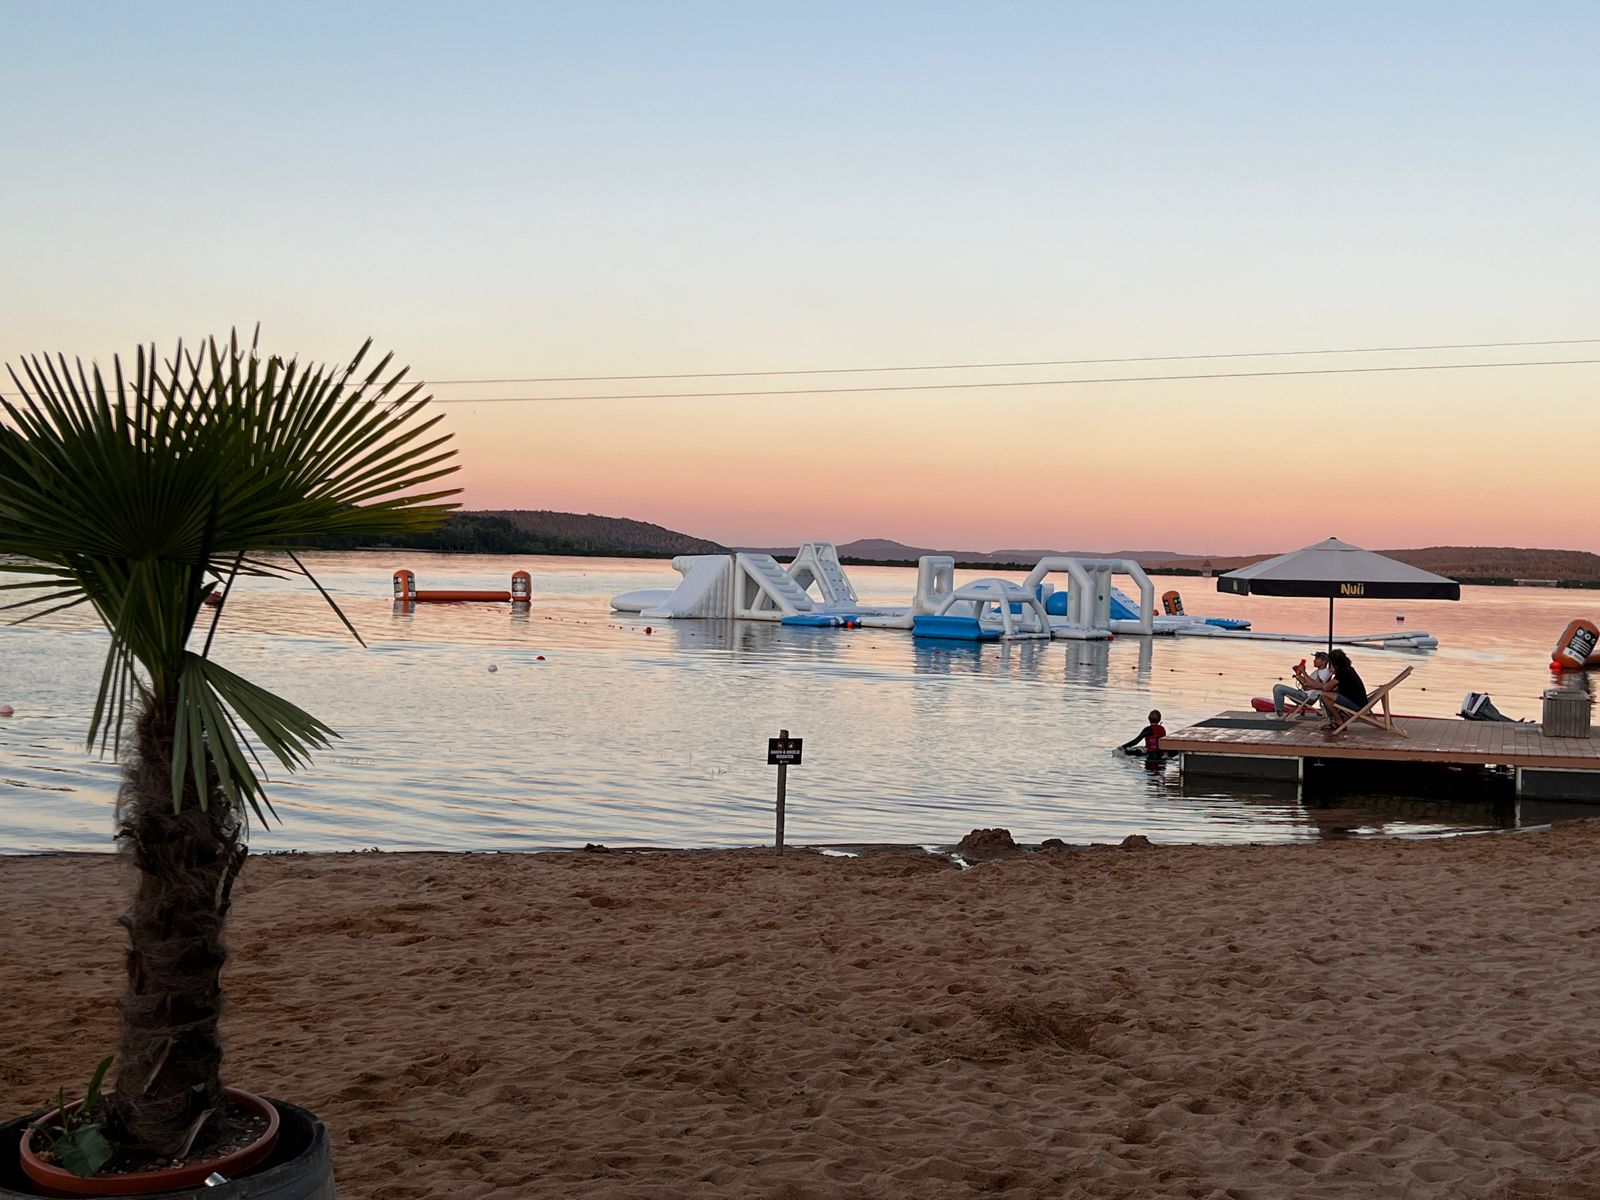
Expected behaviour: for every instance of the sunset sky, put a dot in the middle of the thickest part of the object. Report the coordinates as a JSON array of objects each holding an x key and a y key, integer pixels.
[{"x": 521, "y": 191}]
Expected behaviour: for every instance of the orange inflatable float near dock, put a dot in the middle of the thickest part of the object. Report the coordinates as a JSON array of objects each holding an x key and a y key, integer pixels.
[
  {"x": 1575, "y": 648},
  {"x": 405, "y": 591}
]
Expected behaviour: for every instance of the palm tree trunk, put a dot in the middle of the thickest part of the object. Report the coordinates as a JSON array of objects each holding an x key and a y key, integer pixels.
[{"x": 168, "y": 1079}]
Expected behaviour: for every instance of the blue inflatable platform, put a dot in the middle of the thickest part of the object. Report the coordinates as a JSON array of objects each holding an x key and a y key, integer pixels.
[{"x": 953, "y": 629}]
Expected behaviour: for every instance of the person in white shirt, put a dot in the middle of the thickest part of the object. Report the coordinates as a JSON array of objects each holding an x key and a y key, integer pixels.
[{"x": 1311, "y": 687}]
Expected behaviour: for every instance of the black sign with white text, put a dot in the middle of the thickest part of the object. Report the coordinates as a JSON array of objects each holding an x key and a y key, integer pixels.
[{"x": 783, "y": 752}]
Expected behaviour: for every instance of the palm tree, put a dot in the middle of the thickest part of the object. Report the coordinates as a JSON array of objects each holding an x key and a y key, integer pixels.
[{"x": 142, "y": 497}]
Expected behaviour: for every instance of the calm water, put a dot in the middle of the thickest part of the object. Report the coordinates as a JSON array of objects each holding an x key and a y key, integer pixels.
[{"x": 633, "y": 739}]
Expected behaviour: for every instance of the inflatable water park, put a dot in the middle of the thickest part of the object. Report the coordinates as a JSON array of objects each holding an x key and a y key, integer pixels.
[{"x": 815, "y": 590}]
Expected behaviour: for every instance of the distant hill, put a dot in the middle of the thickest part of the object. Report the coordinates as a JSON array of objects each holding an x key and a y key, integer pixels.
[
  {"x": 1507, "y": 562},
  {"x": 1458, "y": 562},
  {"x": 589, "y": 533},
  {"x": 540, "y": 532}
]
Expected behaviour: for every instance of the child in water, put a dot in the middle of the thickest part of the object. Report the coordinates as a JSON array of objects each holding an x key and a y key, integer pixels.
[{"x": 1150, "y": 735}]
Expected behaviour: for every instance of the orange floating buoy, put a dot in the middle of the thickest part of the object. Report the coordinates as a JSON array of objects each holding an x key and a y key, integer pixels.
[
  {"x": 6, "y": 710},
  {"x": 647, "y": 629},
  {"x": 406, "y": 592},
  {"x": 1575, "y": 648},
  {"x": 540, "y": 658}
]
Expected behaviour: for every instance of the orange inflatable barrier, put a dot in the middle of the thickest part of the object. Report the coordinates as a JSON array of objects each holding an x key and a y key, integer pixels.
[
  {"x": 1575, "y": 648},
  {"x": 406, "y": 591},
  {"x": 1172, "y": 604}
]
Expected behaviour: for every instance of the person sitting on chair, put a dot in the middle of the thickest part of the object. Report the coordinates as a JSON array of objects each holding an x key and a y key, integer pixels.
[
  {"x": 1150, "y": 735},
  {"x": 1310, "y": 689},
  {"x": 1348, "y": 691}
]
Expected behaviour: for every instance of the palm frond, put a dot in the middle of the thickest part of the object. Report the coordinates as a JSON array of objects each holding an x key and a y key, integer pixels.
[
  {"x": 209, "y": 749},
  {"x": 328, "y": 596},
  {"x": 139, "y": 491}
]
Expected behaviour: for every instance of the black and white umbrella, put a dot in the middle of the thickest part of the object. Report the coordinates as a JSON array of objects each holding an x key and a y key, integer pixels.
[{"x": 1338, "y": 571}]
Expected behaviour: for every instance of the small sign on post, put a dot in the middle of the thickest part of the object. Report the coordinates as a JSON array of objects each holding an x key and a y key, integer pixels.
[{"x": 783, "y": 752}]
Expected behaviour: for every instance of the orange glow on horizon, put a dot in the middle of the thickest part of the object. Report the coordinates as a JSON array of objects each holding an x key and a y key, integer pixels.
[{"x": 1203, "y": 470}]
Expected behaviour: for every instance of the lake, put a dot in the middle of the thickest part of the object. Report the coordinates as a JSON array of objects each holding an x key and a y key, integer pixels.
[{"x": 458, "y": 735}]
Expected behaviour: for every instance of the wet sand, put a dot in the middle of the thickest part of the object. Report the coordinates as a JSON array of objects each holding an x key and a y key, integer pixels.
[{"x": 1348, "y": 1019}]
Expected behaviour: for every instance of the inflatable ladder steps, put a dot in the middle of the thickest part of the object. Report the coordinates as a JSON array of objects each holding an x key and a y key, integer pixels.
[
  {"x": 818, "y": 563},
  {"x": 785, "y": 593},
  {"x": 836, "y": 585}
]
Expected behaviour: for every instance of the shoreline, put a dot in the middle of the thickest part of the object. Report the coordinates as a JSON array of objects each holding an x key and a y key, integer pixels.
[
  {"x": 944, "y": 851},
  {"x": 961, "y": 564},
  {"x": 1324, "y": 1019}
]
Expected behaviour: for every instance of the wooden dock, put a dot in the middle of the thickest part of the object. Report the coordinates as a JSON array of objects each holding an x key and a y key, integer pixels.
[{"x": 1252, "y": 745}]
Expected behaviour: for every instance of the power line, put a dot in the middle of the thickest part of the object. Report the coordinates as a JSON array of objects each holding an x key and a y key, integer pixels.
[
  {"x": 1020, "y": 383},
  {"x": 1051, "y": 362}
]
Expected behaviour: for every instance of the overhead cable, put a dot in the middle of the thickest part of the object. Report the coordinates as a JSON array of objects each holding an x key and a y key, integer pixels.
[
  {"x": 1049, "y": 362},
  {"x": 1021, "y": 383}
]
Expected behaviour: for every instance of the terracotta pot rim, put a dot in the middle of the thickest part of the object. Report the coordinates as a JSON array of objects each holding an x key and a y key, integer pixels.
[{"x": 165, "y": 1179}]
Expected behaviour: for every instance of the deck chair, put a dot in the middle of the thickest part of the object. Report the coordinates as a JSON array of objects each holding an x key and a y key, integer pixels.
[
  {"x": 1298, "y": 710},
  {"x": 1377, "y": 698}
]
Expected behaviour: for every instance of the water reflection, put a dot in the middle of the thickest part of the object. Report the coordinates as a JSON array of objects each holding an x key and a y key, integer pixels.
[
  {"x": 1330, "y": 812},
  {"x": 589, "y": 729},
  {"x": 1088, "y": 664}
]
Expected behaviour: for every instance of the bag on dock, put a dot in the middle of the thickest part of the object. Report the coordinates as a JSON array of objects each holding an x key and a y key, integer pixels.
[{"x": 1478, "y": 707}]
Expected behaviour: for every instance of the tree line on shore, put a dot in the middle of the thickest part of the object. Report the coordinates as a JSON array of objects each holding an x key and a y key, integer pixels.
[
  {"x": 483, "y": 533},
  {"x": 472, "y": 533}
]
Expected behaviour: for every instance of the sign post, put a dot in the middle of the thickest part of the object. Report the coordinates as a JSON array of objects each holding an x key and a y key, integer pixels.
[{"x": 782, "y": 751}]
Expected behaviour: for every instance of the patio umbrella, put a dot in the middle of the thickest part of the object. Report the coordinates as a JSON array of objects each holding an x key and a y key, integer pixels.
[{"x": 1337, "y": 570}]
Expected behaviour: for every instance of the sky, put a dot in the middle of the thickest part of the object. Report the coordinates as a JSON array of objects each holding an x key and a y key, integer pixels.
[{"x": 527, "y": 191}]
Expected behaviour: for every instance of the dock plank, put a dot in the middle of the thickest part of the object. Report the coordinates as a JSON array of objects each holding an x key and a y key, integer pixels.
[{"x": 1431, "y": 739}]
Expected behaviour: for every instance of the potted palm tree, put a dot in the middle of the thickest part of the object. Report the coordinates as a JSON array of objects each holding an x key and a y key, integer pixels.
[{"x": 148, "y": 496}]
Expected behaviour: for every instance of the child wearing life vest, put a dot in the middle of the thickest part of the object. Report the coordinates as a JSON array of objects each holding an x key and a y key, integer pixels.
[{"x": 1150, "y": 735}]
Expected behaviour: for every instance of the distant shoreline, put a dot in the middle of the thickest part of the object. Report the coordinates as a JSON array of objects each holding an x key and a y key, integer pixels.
[{"x": 850, "y": 561}]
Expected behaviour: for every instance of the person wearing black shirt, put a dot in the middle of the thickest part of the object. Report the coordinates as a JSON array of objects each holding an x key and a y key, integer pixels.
[{"x": 1351, "y": 692}]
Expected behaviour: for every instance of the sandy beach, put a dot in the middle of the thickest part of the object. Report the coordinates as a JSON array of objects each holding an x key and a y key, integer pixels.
[{"x": 1360, "y": 1018}]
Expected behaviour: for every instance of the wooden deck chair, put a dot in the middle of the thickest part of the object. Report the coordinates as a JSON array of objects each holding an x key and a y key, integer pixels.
[
  {"x": 1378, "y": 697},
  {"x": 1297, "y": 710}
]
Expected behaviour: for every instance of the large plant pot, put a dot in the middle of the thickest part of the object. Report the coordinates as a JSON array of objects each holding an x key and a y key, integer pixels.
[
  {"x": 52, "y": 1180},
  {"x": 298, "y": 1167}
]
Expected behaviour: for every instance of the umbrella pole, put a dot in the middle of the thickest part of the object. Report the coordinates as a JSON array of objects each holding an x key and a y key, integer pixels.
[{"x": 1330, "y": 624}]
